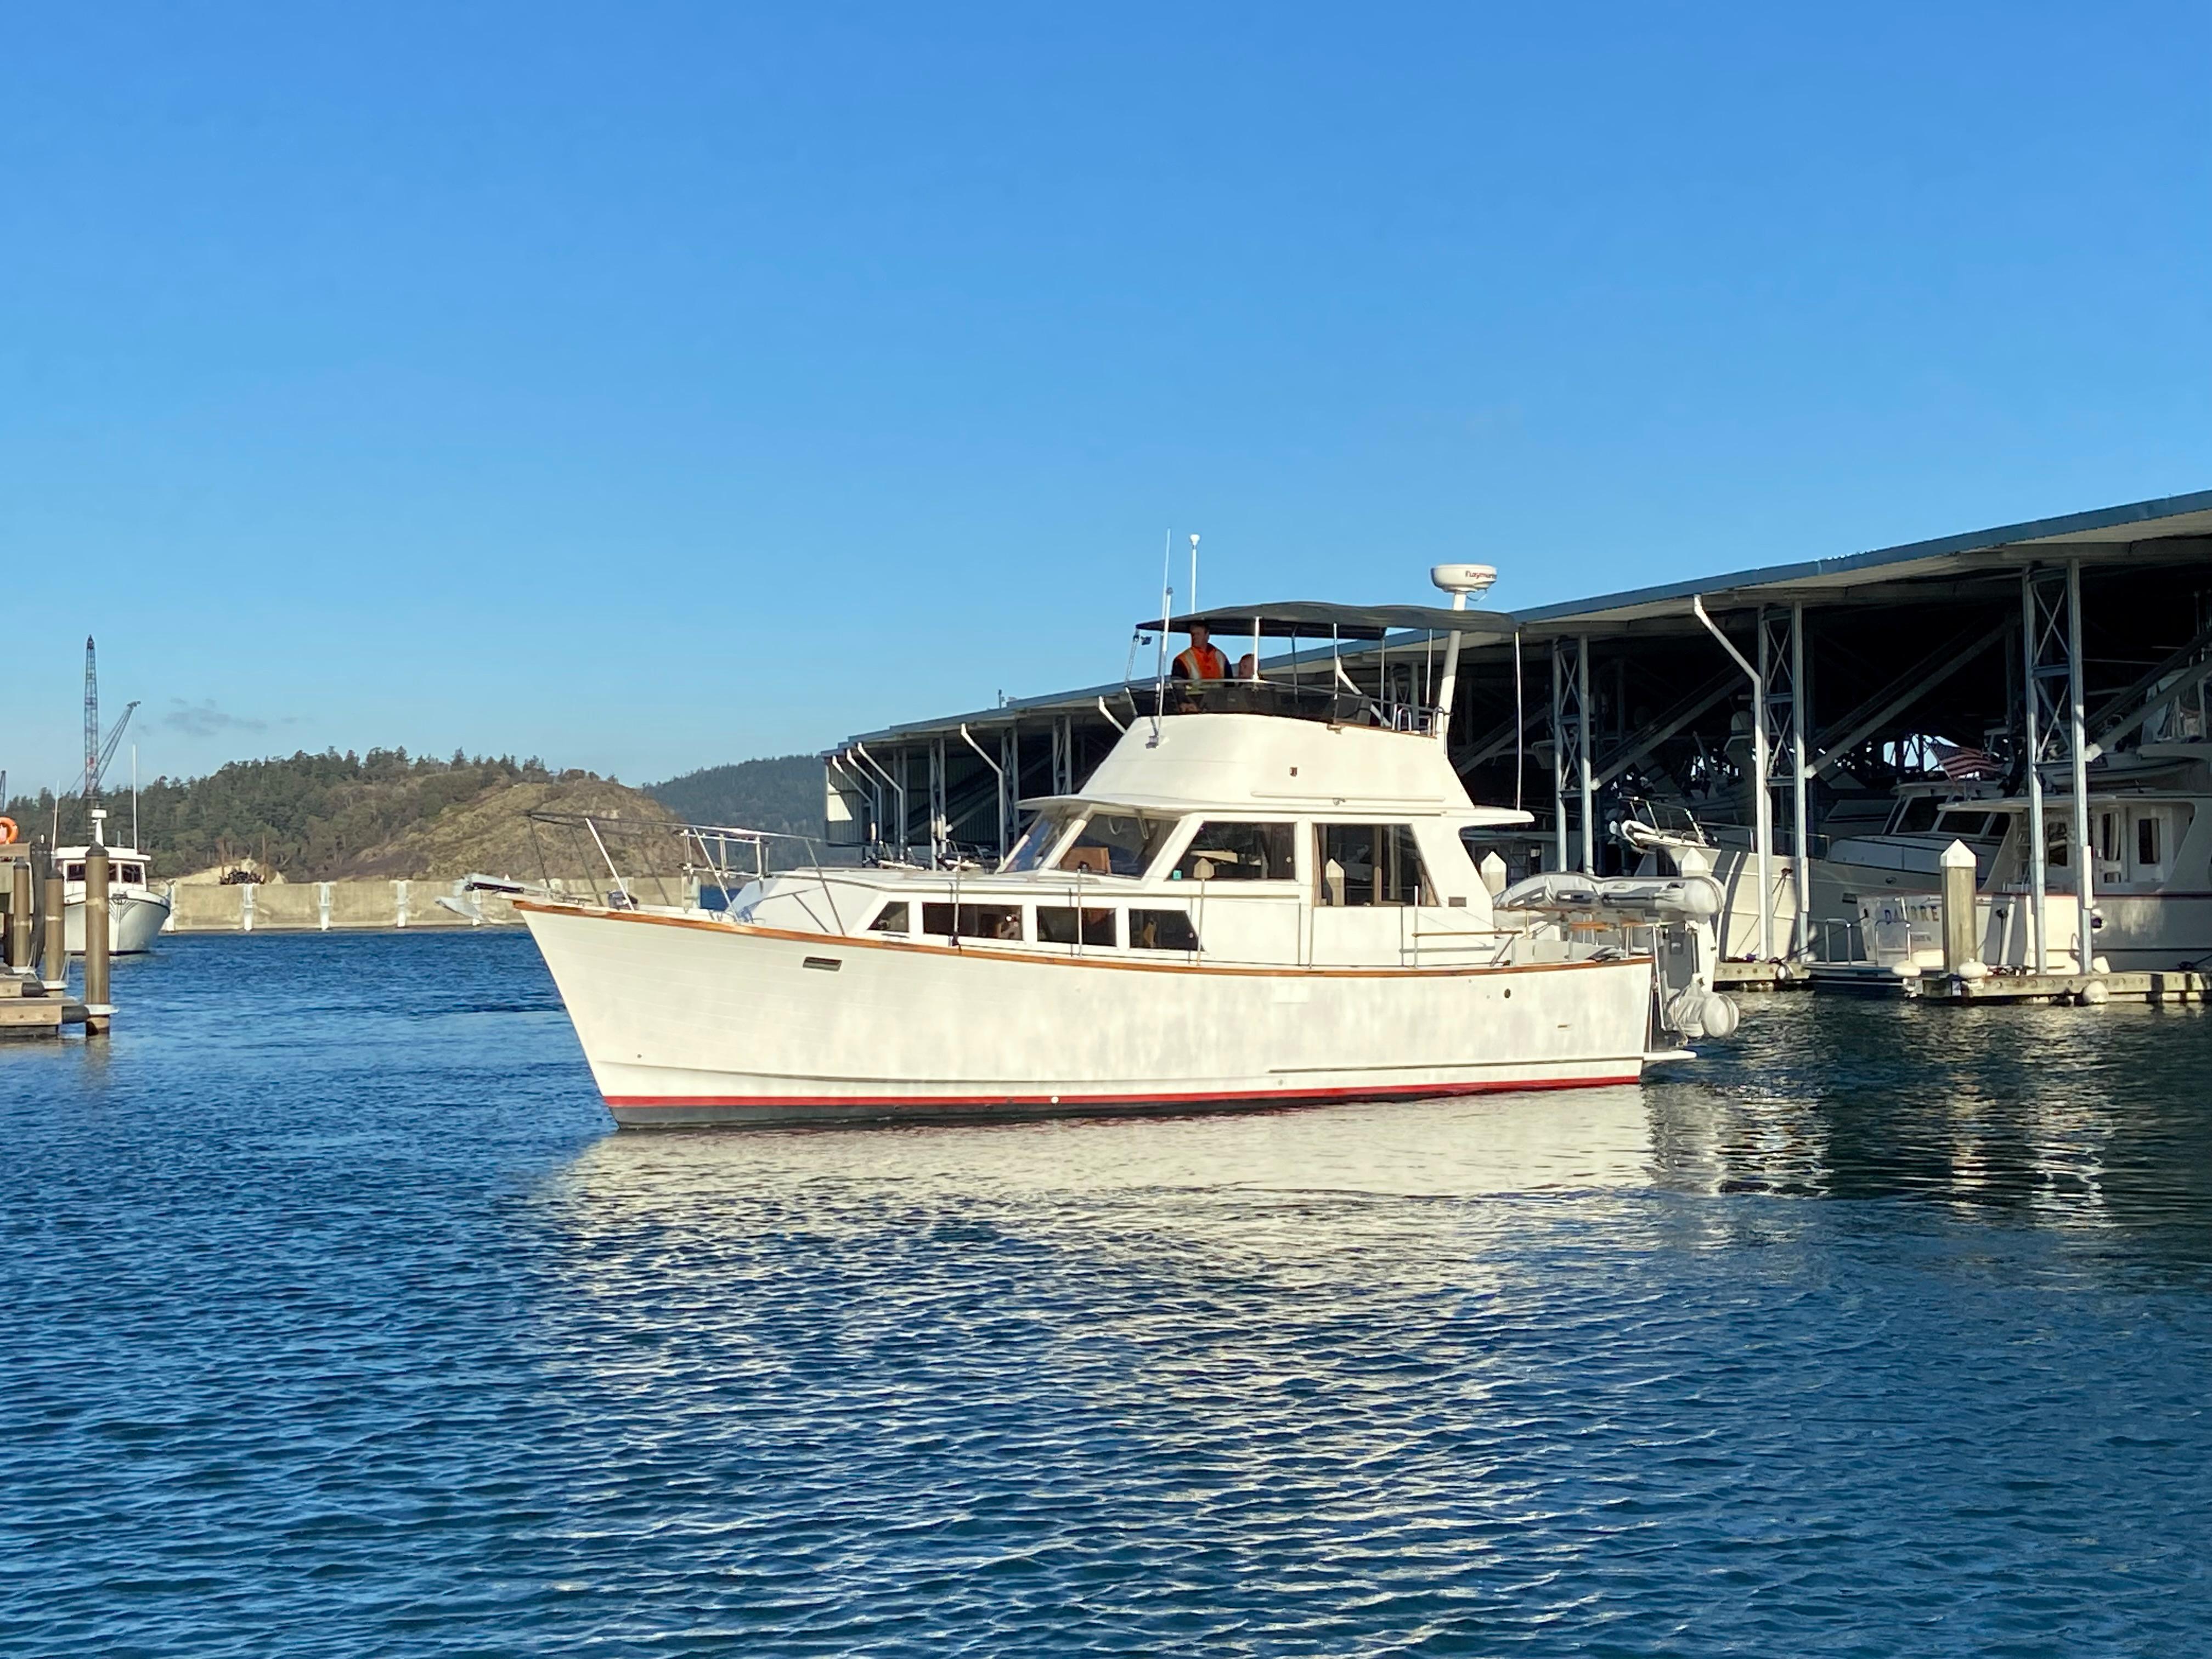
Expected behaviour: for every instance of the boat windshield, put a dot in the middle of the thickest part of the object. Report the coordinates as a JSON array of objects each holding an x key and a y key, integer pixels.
[
  {"x": 1116, "y": 842},
  {"x": 1038, "y": 840}
]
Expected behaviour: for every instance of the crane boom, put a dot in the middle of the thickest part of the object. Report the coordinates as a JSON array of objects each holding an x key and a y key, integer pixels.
[
  {"x": 91, "y": 720},
  {"x": 97, "y": 755},
  {"x": 107, "y": 749}
]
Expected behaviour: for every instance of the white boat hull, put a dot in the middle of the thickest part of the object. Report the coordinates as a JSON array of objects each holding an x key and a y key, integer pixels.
[
  {"x": 134, "y": 920},
  {"x": 687, "y": 1019}
]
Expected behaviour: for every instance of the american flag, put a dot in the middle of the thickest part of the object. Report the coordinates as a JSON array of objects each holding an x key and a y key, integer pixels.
[{"x": 1967, "y": 762}]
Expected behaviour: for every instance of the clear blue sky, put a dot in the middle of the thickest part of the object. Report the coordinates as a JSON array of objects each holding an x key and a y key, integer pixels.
[{"x": 652, "y": 386}]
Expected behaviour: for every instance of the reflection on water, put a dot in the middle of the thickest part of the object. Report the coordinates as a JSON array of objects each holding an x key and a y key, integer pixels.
[{"x": 354, "y": 1330}]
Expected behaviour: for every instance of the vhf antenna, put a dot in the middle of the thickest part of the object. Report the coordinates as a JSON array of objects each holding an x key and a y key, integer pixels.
[{"x": 1167, "y": 615}]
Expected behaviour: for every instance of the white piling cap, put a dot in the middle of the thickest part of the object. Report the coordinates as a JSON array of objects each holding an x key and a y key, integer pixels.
[
  {"x": 1463, "y": 578},
  {"x": 1958, "y": 856}
]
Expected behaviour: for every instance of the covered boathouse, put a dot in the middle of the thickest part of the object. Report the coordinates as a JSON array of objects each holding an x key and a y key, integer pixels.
[{"x": 1780, "y": 701}]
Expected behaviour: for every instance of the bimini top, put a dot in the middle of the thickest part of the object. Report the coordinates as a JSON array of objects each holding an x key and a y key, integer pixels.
[{"x": 1311, "y": 619}]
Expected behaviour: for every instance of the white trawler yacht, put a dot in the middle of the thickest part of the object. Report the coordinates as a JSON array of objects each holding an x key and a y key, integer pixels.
[
  {"x": 1261, "y": 897},
  {"x": 136, "y": 913}
]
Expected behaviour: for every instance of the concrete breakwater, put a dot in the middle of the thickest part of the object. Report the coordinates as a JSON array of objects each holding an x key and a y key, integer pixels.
[{"x": 296, "y": 907}]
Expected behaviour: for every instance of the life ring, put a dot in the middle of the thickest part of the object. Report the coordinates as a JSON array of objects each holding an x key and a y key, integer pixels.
[{"x": 8, "y": 832}]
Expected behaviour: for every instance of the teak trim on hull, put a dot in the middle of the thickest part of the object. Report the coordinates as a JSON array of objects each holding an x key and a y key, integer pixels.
[{"x": 847, "y": 942}]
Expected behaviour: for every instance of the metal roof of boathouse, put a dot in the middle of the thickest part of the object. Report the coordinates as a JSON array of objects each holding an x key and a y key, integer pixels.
[{"x": 2172, "y": 529}]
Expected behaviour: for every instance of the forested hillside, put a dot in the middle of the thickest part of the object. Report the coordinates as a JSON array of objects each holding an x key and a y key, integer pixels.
[
  {"x": 327, "y": 816},
  {"x": 783, "y": 794}
]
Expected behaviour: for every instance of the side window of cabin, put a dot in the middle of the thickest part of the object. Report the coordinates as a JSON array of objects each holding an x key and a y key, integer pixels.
[
  {"x": 892, "y": 918},
  {"x": 1058, "y": 924},
  {"x": 2058, "y": 839},
  {"x": 1162, "y": 930},
  {"x": 2158, "y": 831},
  {"x": 1028, "y": 852},
  {"x": 999, "y": 921},
  {"x": 1918, "y": 814},
  {"x": 1362, "y": 863},
  {"x": 73, "y": 873},
  {"x": 1239, "y": 852},
  {"x": 1117, "y": 843}
]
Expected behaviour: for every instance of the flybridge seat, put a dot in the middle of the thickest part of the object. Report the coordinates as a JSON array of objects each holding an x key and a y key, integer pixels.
[{"x": 1311, "y": 682}]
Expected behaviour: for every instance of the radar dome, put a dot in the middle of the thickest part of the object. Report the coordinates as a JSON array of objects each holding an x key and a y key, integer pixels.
[{"x": 1463, "y": 578}]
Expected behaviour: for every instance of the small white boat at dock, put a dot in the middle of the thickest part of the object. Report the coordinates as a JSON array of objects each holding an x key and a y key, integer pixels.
[{"x": 135, "y": 912}]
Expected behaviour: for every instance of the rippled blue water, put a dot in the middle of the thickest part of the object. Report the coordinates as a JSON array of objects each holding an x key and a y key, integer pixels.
[{"x": 337, "y": 1321}]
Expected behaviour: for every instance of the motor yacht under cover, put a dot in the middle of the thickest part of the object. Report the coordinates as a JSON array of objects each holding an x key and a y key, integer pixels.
[{"x": 1238, "y": 909}]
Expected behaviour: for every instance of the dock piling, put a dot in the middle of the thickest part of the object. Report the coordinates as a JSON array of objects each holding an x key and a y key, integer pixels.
[
  {"x": 1960, "y": 946},
  {"x": 54, "y": 969},
  {"x": 19, "y": 914},
  {"x": 98, "y": 1011}
]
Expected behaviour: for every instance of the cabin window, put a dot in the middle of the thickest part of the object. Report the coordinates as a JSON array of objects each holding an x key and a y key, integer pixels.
[
  {"x": 1117, "y": 843},
  {"x": 892, "y": 918},
  {"x": 1061, "y": 924},
  {"x": 130, "y": 872},
  {"x": 1363, "y": 864},
  {"x": 1001, "y": 921},
  {"x": 1971, "y": 825},
  {"x": 2057, "y": 834},
  {"x": 1162, "y": 930},
  {"x": 1917, "y": 815},
  {"x": 972, "y": 921},
  {"x": 2108, "y": 837},
  {"x": 1037, "y": 841},
  {"x": 1238, "y": 852},
  {"x": 2146, "y": 842},
  {"x": 73, "y": 873}
]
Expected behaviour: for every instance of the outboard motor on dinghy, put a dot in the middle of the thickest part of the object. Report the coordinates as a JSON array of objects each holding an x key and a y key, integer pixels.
[{"x": 1678, "y": 908}]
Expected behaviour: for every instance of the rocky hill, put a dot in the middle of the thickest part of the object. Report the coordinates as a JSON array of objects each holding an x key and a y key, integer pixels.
[
  {"x": 782, "y": 793},
  {"x": 331, "y": 817},
  {"x": 491, "y": 833}
]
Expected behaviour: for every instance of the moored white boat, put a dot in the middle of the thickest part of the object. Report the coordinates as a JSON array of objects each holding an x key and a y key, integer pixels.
[
  {"x": 136, "y": 913},
  {"x": 1255, "y": 901}
]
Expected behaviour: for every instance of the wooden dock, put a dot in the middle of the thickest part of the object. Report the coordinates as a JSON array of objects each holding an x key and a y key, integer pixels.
[
  {"x": 34, "y": 1000},
  {"x": 1760, "y": 976},
  {"x": 2161, "y": 989},
  {"x": 28, "y": 1009}
]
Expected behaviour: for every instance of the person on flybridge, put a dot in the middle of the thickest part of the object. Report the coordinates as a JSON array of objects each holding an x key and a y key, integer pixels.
[{"x": 1201, "y": 661}]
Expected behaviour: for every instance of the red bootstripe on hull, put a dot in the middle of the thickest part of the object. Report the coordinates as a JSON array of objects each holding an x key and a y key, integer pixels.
[{"x": 1282, "y": 1096}]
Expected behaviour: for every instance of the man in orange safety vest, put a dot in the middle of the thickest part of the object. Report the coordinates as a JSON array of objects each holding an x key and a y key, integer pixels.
[{"x": 1201, "y": 661}]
